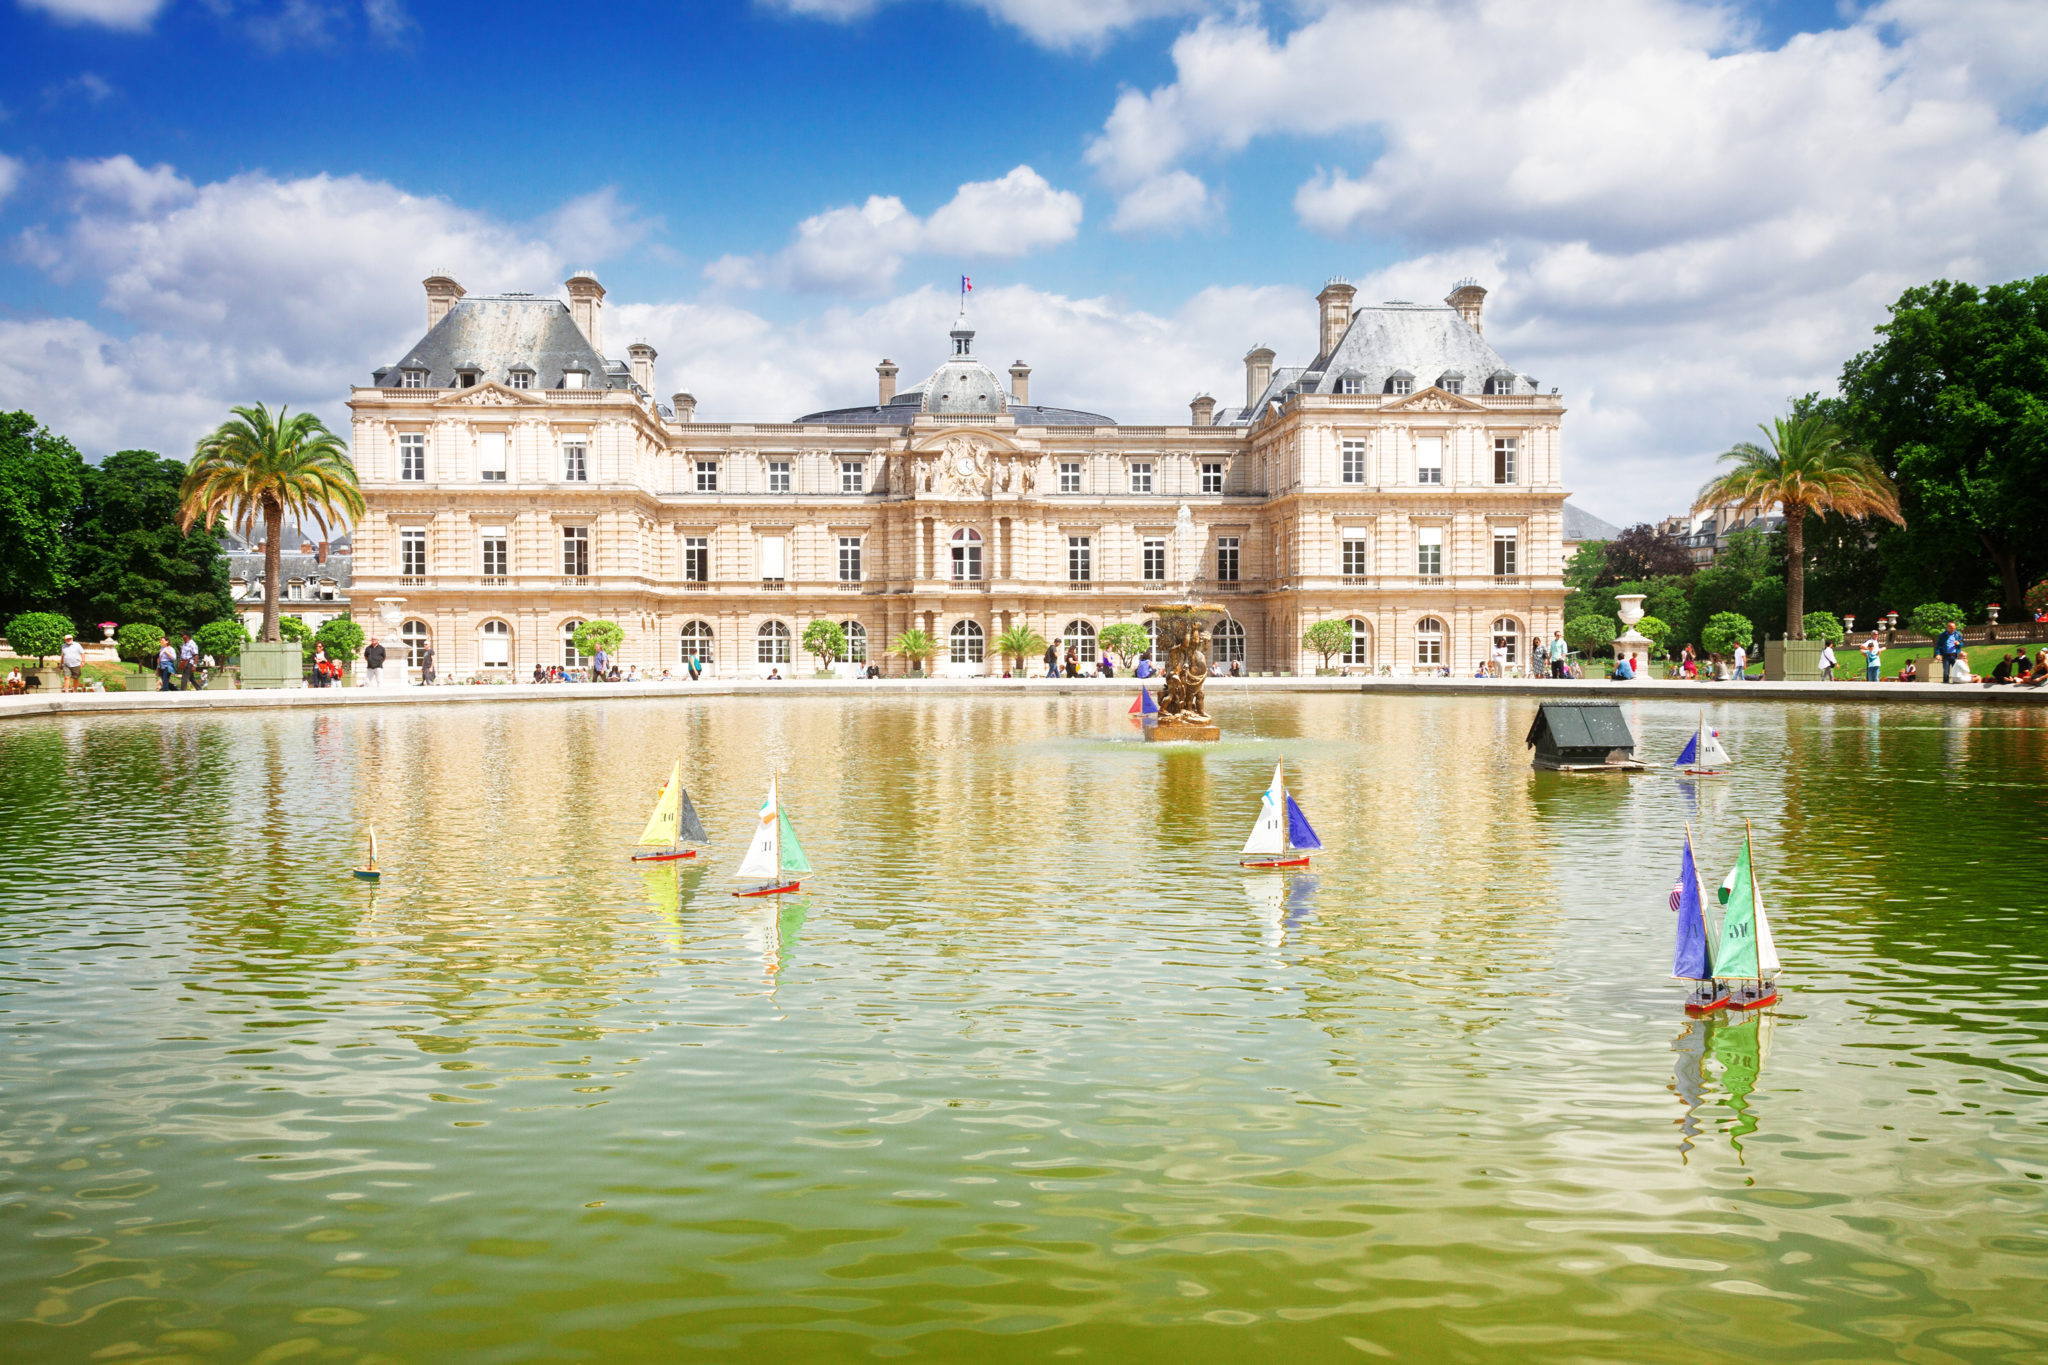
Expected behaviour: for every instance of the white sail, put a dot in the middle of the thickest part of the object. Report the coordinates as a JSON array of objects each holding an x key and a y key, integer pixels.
[
  {"x": 1711, "y": 754},
  {"x": 1767, "y": 963},
  {"x": 1269, "y": 831},
  {"x": 764, "y": 853}
]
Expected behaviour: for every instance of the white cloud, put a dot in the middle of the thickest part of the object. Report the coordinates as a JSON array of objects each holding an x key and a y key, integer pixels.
[
  {"x": 10, "y": 176},
  {"x": 1172, "y": 202},
  {"x": 851, "y": 250},
  {"x": 127, "y": 14},
  {"x": 1016, "y": 214},
  {"x": 1051, "y": 23},
  {"x": 731, "y": 272},
  {"x": 596, "y": 226}
]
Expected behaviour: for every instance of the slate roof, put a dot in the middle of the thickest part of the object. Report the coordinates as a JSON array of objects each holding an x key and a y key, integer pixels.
[
  {"x": 1581, "y": 525},
  {"x": 962, "y": 385},
  {"x": 1423, "y": 341},
  {"x": 901, "y": 414},
  {"x": 495, "y": 334}
]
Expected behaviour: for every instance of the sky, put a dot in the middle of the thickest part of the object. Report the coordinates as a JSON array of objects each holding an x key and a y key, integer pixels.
[{"x": 1686, "y": 213}]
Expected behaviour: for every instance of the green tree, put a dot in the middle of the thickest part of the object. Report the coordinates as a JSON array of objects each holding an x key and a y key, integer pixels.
[
  {"x": 1125, "y": 640},
  {"x": 1807, "y": 468},
  {"x": 1932, "y": 618},
  {"x": 1328, "y": 639},
  {"x": 38, "y": 634},
  {"x": 1746, "y": 559},
  {"x": 1590, "y": 634},
  {"x": 295, "y": 629},
  {"x": 824, "y": 640},
  {"x": 1019, "y": 643},
  {"x": 1586, "y": 565},
  {"x": 39, "y": 487},
  {"x": 138, "y": 641},
  {"x": 222, "y": 639},
  {"x": 129, "y": 559},
  {"x": 1725, "y": 630},
  {"x": 1825, "y": 626},
  {"x": 1669, "y": 599},
  {"x": 1640, "y": 552},
  {"x": 340, "y": 637},
  {"x": 592, "y": 636},
  {"x": 915, "y": 645},
  {"x": 1657, "y": 632},
  {"x": 257, "y": 467}
]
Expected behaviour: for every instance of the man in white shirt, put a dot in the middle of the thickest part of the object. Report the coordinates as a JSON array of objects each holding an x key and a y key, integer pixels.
[
  {"x": 1827, "y": 661},
  {"x": 1741, "y": 664},
  {"x": 1556, "y": 654},
  {"x": 72, "y": 659},
  {"x": 1500, "y": 659}
]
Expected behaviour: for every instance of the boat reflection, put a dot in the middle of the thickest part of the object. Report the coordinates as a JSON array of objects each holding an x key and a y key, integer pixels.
[
  {"x": 1283, "y": 904},
  {"x": 1738, "y": 1047}
]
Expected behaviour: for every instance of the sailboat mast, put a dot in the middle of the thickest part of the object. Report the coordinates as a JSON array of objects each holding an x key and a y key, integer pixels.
[
  {"x": 675, "y": 844},
  {"x": 775, "y": 799},
  {"x": 1755, "y": 901}
]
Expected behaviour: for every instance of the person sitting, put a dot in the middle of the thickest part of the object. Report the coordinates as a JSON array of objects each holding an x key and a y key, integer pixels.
[
  {"x": 2001, "y": 672},
  {"x": 1622, "y": 672},
  {"x": 1236, "y": 668},
  {"x": 1910, "y": 673},
  {"x": 1144, "y": 668},
  {"x": 774, "y": 675}
]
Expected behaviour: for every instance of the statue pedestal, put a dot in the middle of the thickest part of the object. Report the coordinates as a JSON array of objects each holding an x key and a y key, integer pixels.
[{"x": 1182, "y": 732}]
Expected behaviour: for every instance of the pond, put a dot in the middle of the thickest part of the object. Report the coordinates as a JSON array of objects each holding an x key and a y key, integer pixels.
[{"x": 1031, "y": 1068}]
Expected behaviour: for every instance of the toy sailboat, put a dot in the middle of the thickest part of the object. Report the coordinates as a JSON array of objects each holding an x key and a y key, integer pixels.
[
  {"x": 1747, "y": 956},
  {"x": 368, "y": 871},
  {"x": 774, "y": 853},
  {"x": 1693, "y": 959},
  {"x": 673, "y": 820},
  {"x": 1281, "y": 836},
  {"x": 1703, "y": 755},
  {"x": 1144, "y": 708}
]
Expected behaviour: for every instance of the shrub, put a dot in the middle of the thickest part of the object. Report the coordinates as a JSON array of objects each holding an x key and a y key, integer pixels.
[
  {"x": 1725, "y": 630},
  {"x": 137, "y": 642},
  {"x": 1124, "y": 640},
  {"x": 222, "y": 639},
  {"x": 825, "y": 641},
  {"x": 1657, "y": 632},
  {"x": 1589, "y": 634},
  {"x": 38, "y": 634},
  {"x": 1328, "y": 638},
  {"x": 341, "y": 637},
  {"x": 295, "y": 630},
  {"x": 914, "y": 645},
  {"x": 2037, "y": 598},
  {"x": 1021, "y": 643},
  {"x": 1932, "y": 618},
  {"x": 592, "y": 636},
  {"x": 1824, "y": 626}
]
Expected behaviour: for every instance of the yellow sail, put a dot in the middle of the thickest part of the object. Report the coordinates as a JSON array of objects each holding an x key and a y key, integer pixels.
[{"x": 661, "y": 825}]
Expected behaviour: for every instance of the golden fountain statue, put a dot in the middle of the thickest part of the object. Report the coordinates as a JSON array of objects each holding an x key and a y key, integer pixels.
[{"x": 1184, "y": 640}]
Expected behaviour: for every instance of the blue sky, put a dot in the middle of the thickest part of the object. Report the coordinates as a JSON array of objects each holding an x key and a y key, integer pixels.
[{"x": 1686, "y": 211}]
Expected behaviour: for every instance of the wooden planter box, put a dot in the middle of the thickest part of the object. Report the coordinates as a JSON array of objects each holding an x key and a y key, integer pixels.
[
  {"x": 272, "y": 665},
  {"x": 1799, "y": 661}
]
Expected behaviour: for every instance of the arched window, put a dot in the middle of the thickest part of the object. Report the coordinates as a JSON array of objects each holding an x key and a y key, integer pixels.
[
  {"x": 1359, "y": 651},
  {"x": 1079, "y": 637},
  {"x": 1507, "y": 635},
  {"x": 968, "y": 642},
  {"x": 570, "y": 658},
  {"x": 1429, "y": 642},
  {"x": 416, "y": 637},
  {"x": 856, "y": 642},
  {"x": 771, "y": 643},
  {"x": 1226, "y": 642},
  {"x": 494, "y": 645},
  {"x": 966, "y": 555},
  {"x": 693, "y": 641}
]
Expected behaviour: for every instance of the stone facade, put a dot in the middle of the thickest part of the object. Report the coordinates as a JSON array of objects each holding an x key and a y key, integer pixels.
[{"x": 510, "y": 498}]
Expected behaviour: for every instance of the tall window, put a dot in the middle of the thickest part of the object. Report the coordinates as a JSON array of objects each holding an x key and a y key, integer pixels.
[
  {"x": 575, "y": 462},
  {"x": 412, "y": 554},
  {"x": 771, "y": 643},
  {"x": 1141, "y": 476},
  {"x": 774, "y": 558},
  {"x": 1212, "y": 477},
  {"x": 1226, "y": 559},
  {"x": 1226, "y": 642},
  {"x": 849, "y": 559},
  {"x": 1503, "y": 459},
  {"x": 1507, "y": 637},
  {"x": 1354, "y": 559},
  {"x": 1504, "y": 553},
  {"x": 852, "y": 474},
  {"x": 494, "y": 645},
  {"x": 693, "y": 641},
  {"x": 576, "y": 551},
  {"x": 490, "y": 456},
  {"x": 1429, "y": 642},
  {"x": 1079, "y": 636},
  {"x": 1429, "y": 551},
  {"x": 413, "y": 635},
  {"x": 496, "y": 559},
  {"x": 696, "y": 559},
  {"x": 1079, "y": 569},
  {"x": 1354, "y": 462},
  {"x": 707, "y": 476},
  {"x": 570, "y": 658},
  {"x": 1153, "y": 552},
  {"x": 1429, "y": 459},
  {"x": 1070, "y": 476},
  {"x": 966, "y": 555},
  {"x": 968, "y": 642},
  {"x": 856, "y": 642},
  {"x": 412, "y": 457},
  {"x": 778, "y": 476},
  {"x": 1359, "y": 651}
]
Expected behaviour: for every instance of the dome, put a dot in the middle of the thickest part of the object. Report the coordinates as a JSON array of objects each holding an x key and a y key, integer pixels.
[{"x": 964, "y": 386}]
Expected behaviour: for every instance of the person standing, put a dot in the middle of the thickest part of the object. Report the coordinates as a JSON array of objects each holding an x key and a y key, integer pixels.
[
  {"x": 598, "y": 662},
  {"x": 166, "y": 664},
  {"x": 1949, "y": 647},
  {"x": 426, "y": 665},
  {"x": 188, "y": 663},
  {"x": 1827, "y": 661},
  {"x": 71, "y": 658},
  {"x": 1873, "y": 658},
  {"x": 373, "y": 664},
  {"x": 1052, "y": 660},
  {"x": 1500, "y": 659},
  {"x": 1741, "y": 664},
  {"x": 1557, "y": 654}
]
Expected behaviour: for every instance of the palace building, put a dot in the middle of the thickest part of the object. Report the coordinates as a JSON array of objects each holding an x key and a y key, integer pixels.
[{"x": 519, "y": 481}]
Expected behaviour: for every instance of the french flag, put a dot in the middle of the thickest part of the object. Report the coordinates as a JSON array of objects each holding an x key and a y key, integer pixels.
[{"x": 966, "y": 285}]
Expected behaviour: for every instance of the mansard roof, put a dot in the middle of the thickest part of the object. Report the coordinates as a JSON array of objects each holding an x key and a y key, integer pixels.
[
  {"x": 1386, "y": 341},
  {"x": 962, "y": 386},
  {"x": 1581, "y": 525},
  {"x": 901, "y": 414},
  {"x": 492, "y": 335}
]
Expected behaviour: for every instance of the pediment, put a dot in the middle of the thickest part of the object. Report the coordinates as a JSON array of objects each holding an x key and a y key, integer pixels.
[
  {"x": 1433, "y": 399},
  {"x": 489, "y": 394}
]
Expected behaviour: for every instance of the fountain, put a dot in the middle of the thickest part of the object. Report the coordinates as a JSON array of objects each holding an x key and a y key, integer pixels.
[{"x": 1184, "y": 646}]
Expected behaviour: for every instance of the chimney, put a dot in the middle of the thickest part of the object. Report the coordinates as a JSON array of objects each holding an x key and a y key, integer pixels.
[
  {"x": 1334, "y": 305},
  {"x": 1467, "y": 297},
  {"x": 686, "y": 407},
  {"x": 442, "y": 293},
  {"x": 642, "y": 357},
  {"x": 320, "y": 555},
  {"x": 586, "y": 305},
  {"x": 1258, "y": 373},
  {"x": 1020, "y": 382},
  {"x": 885, "y": 381},
  {"x": 305, "y": 547},
  {"x": 1204, "y": 409}
]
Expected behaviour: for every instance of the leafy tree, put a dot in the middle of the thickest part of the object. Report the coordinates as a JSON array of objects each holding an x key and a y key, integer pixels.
[
  {"x": 1125, "y": 640},
  {"x": 1657, "y": 632},
  {"x": 138, "y": 641},
  {"x": 825, "y": 640},
  {"x": 222, "y": 639},
  {"x": 1932, "y": 618},
  {"x": 1725, "y": 630},
  {"x": 129, "y": 559},
  {"x": 258, "y": 466},
  {"x": 1590, "y": 634},
  {"x": 2037, "y": 597},
  {"x": 38, "y": 634},
  {"x": 1328, "y": 639},
  {"x": 1825, "y": 626},
  {"x": 1642, "y": 551},
  {"x": 1601, "y": 601},
  {"x": 295, "y": 629},
  {"x": 39, "y": 487},
  {"x": 1748, "y": 558},
  {"x": 1669, "y": 599},
  {"x": 915, "y": 645},
  {"x": 341, "y": 638},
  {"x": 1808, "y": 467},
  {"x": 1019, "y": 643},
  {"x": 592, "y": 636},
  {"x": 1586, "y": 565}
]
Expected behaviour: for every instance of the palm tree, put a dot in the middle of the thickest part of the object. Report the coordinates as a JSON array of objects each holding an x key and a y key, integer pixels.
[
  {"x": 1020, "y": 642},
  {"x": 260, "y": 466},
  {"x": 1807, "y": 467}
]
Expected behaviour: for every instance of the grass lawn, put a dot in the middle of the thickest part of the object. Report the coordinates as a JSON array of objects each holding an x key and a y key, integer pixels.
[
  {"x": 113, "y": 675},
  {"x": 1983, "y": 658}
]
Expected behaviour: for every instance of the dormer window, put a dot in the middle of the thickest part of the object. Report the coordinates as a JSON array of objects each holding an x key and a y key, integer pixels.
[
  {"x": 521, "y": 376},
  {"x": 467, "y": 375},
  {"x": 573, "y": 378},
  {"x": 1400, "y": 382},
  {"x": 1351, "y": 383},
  {"x": 1503, "y": 381},
  {"x": 412, "y": 377},
  {"x": 1452, "y": 381}
]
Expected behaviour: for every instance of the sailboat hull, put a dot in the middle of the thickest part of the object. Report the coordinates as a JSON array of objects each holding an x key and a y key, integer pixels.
[
  {"x": 364, "y": 874},
  {"x": 1766, "y": 995},
  {"x": 1705, "y": 772},
  {"x": 1302, "y": 861},
  {"x": 779, "y": 889},
  {"x": 665, "y": 857},
  {"x": 1707, "y": 1000}
]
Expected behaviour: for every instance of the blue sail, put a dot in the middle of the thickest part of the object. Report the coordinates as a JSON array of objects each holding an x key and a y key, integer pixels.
[
  {"x": 1151, "y": 706},
  {"x": 1691, "y": 753},
  {"x": 1299, "y": 835},
  {"x": 1691, "y": 959}
]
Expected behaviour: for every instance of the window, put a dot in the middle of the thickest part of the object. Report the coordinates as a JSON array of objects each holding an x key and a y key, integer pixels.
[
  {"x": 1429, "y": 642},
  {"x": 852, "y": 475},
  {"x": 412, "y": 457},
  {"x": 849, "y": 559},
  {"x": 968, "y": 642},
  {"x": 1503, "y": 381},
  {"x": 1226, "y": 559},
  {"x": 1226, "y": 642},
  {"x": 1429, "y": 459},
  {"x": 576, "y": 551},
  {"x": 1359, "y": 651},
  {"x": 1504, "y": 553},
  {"x": 575, "y": 462},
  {"x": 496, "y": 559},
  {"x": 771, "y": 643},
  {"x": 966, "y": 555},
  {"x": 1078, "y": 568},
  {"x": 1429, "y": 551},
  {"x": 774, "y": 559},
  {"x": 1212, "y": 477},
  {"x": 522, "y": 379},
  {"x": 490, "y": 456},
  {"x": 696, "y": 559},
  {"x": 1503, "y": 459},
  {"x": 412, "y": 556},
  {"x": 1507, "y": 635},
  {"x": 707, "y": 476},
  {"x": 1152, "y": 551},
  {"x": 778, "y": 476},
  {"x": 1079, "y": 637},
  {"x": 572, "y": 379},
  {"x": 494, "y": 645},
  {"x": 1141, "y": 476},
  {"x": 414, "y": 639},
  {"x": 1400, "y": 382},
  {"x": 412, "y": 379},
  {"x": 570, "y": 658},
  {"x": 693, "y": 641},
  {"x": 1354, "y": 552},
  {"x": 1351, "y": 383},
  {"x": 1452, "y": 382},
  {"x": 1354, "y": 462},
  {"x": 1070, "y": 476},
  {"x": 856, "y": 642}
]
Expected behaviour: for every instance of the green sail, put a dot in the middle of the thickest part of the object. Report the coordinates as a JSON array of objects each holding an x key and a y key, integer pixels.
[
  {"x": 793, "y": 859},
  {"x": 1737, "y": 954}
]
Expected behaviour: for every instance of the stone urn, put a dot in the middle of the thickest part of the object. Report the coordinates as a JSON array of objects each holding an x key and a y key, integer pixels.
[{"x": 1632, "y": 643}]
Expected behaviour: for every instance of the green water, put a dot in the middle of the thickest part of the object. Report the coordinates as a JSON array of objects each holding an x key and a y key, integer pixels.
[{"x": 1031, "y": 1070}]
